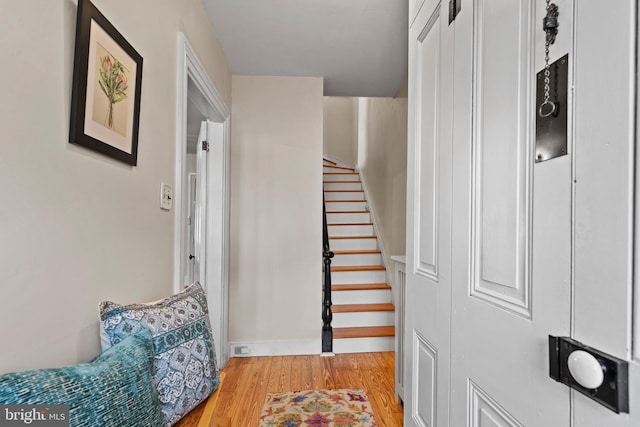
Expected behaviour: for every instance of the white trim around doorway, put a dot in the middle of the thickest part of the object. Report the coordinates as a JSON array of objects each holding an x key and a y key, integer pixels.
[{"x": 189, "y": 68}]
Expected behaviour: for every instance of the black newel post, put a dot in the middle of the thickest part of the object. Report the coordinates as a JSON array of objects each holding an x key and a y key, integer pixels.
[{"x": 327, "y": 316}]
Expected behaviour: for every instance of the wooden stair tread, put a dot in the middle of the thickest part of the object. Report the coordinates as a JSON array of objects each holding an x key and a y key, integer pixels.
[
  {"x": 349, "y": 201},
  {"x": 341, "y": 182},
  {"x": 344, "y": 191},
  {"x": 340, "y": 167},
  {"x": 338, "y": 268},
  {"x": 340, "y": 173},
  {"x": 364, "y": 332},
  {"x": 360, "y": 287},
  {"x": 352, "y": 237},
  {"x": 359, "y": 308},
  {"x": 342, "y": 224},
  {"x": 357, "y": 252},
  {"x": 345, "y": 212}
]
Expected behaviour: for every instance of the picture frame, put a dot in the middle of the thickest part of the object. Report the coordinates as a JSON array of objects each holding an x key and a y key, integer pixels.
[{"x": 107, "y": 85}]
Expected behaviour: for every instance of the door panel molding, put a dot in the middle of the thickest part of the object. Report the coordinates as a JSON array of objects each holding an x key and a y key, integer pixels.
[
  {"x": 502, "y": 172},
  {"x": 427, "y": 133},
  {"x": 420, "y": 7},
  {"x": 425, "y": 361},
  {"x": 484, "y": 411}
]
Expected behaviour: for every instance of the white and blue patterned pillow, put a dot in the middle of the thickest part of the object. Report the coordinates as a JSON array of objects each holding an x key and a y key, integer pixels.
[{"x": 185, "y": 370}]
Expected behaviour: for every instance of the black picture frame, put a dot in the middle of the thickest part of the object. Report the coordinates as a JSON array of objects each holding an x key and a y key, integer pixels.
[{"x": 107, "y": 85}]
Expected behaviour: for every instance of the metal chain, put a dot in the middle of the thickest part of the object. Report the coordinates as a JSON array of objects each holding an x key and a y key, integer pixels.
[
  {"x": 550, "y": 26},
  {"x": 547, "y": 72}
]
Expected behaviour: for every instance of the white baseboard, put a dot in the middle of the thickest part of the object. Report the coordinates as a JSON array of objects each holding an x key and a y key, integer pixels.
[
  {"x": 276, "y": 348},
  {"x": 388, "y": 272}
]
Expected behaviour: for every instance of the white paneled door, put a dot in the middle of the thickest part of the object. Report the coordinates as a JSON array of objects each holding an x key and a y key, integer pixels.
[
  {"x": 511, "y": 224},
  {"x": 428, "y": 282},
  {"x": 502, "y": 251}
]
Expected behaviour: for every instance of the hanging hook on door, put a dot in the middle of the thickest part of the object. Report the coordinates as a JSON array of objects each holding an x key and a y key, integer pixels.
[
  {"x": 550, "y": 26},
  {"x": 551, "y": 95},
  {"x": 550, "y": 23}
]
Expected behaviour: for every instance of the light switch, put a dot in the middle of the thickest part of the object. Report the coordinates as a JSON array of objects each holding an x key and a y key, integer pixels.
[{"x": 166, "y": 196}]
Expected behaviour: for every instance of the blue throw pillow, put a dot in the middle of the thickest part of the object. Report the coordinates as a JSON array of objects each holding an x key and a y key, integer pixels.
[
  {"x": 185, "y": 369},
  {"x": 115, "y": 389}
]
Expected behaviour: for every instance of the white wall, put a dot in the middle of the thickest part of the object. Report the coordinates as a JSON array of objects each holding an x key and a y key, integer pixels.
[
  {"x": 382, "y": 160},
  {"x": 77, "y": 227},
  {"x": 340, "y": 120},
  {"x": 276, "y": 214}
]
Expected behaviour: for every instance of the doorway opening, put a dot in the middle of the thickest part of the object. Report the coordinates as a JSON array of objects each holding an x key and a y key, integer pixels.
[{"x": 201, "y": 108}]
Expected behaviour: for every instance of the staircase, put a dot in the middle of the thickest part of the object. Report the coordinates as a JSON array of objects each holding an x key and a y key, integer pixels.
[{"x": 363, "y": 315}]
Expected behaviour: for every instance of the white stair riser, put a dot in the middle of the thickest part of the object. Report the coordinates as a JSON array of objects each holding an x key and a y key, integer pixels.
[
  {"x": 343, "y": 195},
  {"x": 346, "y": 206},
  {"x": 370, "y": 296},
  {"x": 329, "y": 168},
  {"x": 342, "y": 185},
  {"x": 357, "y": 259},
  {"x": 353, "y": 277},
  {"x": 363, "y": 345},
  {"x": 367, "y": 318},
  {"x": 350, "y": 230},
  {"x": 353, "y": 244},
  {"x": 341, "y": 177},
  {"x": 348, "y": 218}
]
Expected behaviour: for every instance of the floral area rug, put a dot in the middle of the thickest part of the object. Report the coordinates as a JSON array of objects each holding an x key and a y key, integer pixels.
[{"x": 322, "y": 408}]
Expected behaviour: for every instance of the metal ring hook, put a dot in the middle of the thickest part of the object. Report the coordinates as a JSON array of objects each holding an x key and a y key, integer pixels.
[{"x": 547, "y": 109}]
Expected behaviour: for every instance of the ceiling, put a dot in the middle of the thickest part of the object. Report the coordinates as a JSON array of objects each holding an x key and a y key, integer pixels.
[{"x": 358, "y": 46}]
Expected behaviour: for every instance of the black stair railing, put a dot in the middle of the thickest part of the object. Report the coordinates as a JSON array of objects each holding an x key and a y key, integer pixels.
[{"x": 327, "y": 315}]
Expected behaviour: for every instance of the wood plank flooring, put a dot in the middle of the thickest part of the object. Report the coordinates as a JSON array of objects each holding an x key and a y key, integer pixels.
[{"x": 249, "y": 379}]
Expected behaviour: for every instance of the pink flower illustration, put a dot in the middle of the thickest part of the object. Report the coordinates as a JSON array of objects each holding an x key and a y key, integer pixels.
[{"x": 113, "y": 83}]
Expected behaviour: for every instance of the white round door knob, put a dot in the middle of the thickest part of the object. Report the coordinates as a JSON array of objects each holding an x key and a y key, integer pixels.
[{"x": 585, "y": 369}]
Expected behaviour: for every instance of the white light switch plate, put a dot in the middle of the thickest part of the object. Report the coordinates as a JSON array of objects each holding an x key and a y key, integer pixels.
[{"x": 166, "y": 196}]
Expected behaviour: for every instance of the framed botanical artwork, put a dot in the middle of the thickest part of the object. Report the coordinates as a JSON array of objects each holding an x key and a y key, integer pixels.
[{"x": 107, "y": 82}]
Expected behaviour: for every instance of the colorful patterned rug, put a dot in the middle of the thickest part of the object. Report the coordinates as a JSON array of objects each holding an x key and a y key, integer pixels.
[{"x": 321, "y": 408}]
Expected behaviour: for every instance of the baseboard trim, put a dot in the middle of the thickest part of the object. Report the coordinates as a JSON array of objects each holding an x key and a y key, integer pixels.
[
  {"x": 275, "y": 348},
  {"x": 385, "y": 261}
]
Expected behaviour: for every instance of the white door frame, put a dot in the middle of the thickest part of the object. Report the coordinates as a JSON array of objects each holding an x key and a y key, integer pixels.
[{"x": 217, "y": 238}]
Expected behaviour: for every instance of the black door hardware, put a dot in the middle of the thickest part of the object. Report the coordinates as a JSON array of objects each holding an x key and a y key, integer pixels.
[{"x": 613, "y": 392}]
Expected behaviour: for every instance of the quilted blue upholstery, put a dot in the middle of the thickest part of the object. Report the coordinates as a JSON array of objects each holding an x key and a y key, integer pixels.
[{"x": 113, "y": 390}]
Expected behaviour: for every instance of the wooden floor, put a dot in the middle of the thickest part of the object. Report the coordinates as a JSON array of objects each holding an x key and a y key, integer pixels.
[{"x": 248, "y": 380}]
